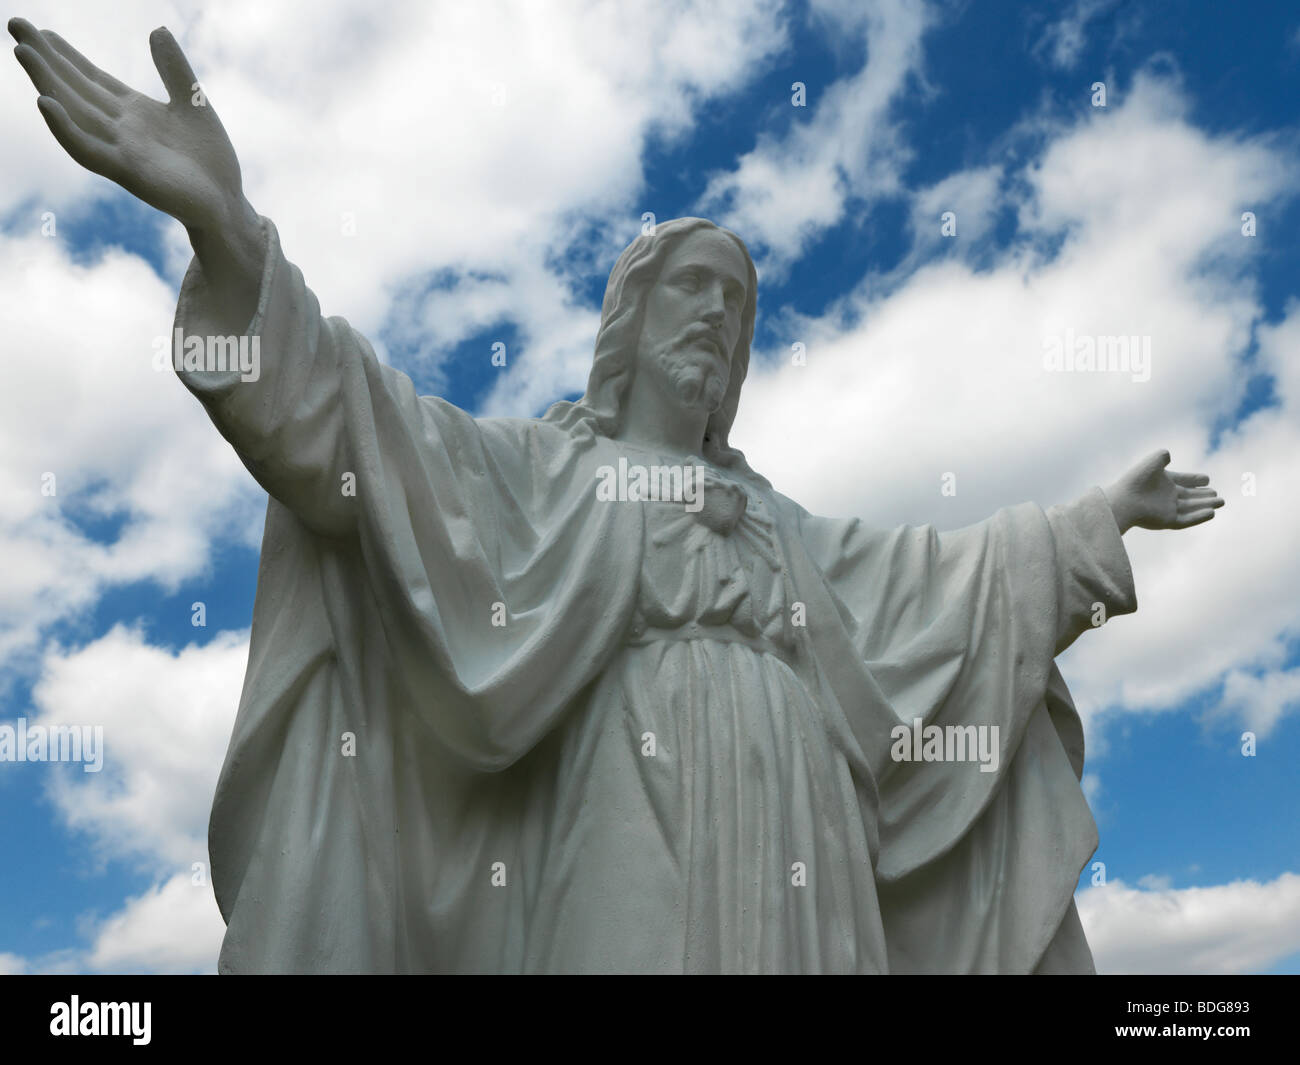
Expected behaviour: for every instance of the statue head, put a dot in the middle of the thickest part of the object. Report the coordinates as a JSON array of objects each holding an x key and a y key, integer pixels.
[{"x": 680, "y": 305}]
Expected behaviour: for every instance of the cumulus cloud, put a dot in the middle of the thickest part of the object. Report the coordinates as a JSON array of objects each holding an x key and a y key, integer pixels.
[
  {"x": 972, "y": 196},
  {"x": 94, "y": 438},
  {"x": 1261, "y": 700},
  {"x": 785, "y": 192},
  {"x": 405, "y": 155},
  {"x": 414, "y": 152},
  {"x": 1128, "y": 224},
  {"x": 1091, "y": 784},
  {"x": 166, "y": 718},
  {"x": 174, "y": 927},
  {"x": 1242, "y": 927}
]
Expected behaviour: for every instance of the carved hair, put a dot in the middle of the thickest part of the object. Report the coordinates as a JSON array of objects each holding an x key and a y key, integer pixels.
[{"x": 622, "y": 312}]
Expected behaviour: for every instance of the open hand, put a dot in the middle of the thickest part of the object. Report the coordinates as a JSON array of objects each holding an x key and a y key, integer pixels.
[
  {"x": 173, "y": 156},
  {"x": 1151, "y": 497}
]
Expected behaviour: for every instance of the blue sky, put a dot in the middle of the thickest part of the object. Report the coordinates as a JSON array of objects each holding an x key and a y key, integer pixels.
[{"x": 496, "y": 159}]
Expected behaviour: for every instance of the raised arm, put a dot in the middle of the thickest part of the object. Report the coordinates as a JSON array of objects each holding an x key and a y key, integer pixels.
[
  {"x": 284, "y": 410},
  {"x": 174, "y": 156}
]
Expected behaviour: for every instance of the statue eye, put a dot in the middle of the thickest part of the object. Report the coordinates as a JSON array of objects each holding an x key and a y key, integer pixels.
[{"x": 690, "y": 281}]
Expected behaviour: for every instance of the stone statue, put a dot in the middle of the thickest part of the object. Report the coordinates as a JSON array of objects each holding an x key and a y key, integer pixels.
[{"x": 584, "y": 693}]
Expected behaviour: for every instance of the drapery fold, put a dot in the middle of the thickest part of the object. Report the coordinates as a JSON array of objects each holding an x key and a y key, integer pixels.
[{"x": 437, "y": 594}]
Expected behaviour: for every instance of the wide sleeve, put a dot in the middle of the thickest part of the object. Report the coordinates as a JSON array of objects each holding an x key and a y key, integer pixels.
[
  {"x": 434, "y": 594},
  {"x": 456, "y": 559},
  {"x": 961, "y": 626},
  {"x": 281, "y": 406},
  {"x": 959, "y": 629},
  {"x": 1094, "y": 579}
]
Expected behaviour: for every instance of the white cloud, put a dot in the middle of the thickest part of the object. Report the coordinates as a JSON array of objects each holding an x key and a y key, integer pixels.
[
  {"x": 463, "y": 137},
  {"x": 167, "y": 718},
  {"x": 973, "y": 196},
  {"x": 1241, "y": 927},
  {"x": 174, "y": 927},
  {"x": 122, "y": 442},
  {"x": 481, "y": 139},
  {"x": 1063, "y": 41},
  {"x": 1091, "y": 784},
  {"x": 1128, "y": 223},
  {"x": 781, "y": 195},
  {"x": 1260, "y": 701}
]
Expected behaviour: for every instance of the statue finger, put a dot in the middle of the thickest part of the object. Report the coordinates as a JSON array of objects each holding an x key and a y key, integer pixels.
[
  {"x": 102, "y": 79},
  {"x": 1196, "y": 493},
  {"x": 1157, "y": 460},
  {"x": 1189, "y": 480},
  {"x": 174, "y": 69},
  {"x": 21, "y": 30},
  {"x": 94, "y": 95},
  {"x": 49, "y": 84},
  {"x": 38, "y": 70},
  {"x": 86, "y": 149},
  {"x": 39, "y": 42},
  {"x": 1196, "y": 517}
]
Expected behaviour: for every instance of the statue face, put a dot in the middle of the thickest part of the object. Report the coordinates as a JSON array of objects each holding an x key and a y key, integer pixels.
[{"x": 693, "y": 319}]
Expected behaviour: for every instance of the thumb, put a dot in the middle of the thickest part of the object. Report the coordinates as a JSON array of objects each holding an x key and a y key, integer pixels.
[
  {"x": 1157, "y": 460},
  {"x": 174, "y": 69}
]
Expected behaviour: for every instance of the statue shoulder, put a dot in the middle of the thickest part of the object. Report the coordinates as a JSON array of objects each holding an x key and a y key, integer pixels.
[
  {"x": 524, "y": 432},
  {"x": 500, "y": 436}
]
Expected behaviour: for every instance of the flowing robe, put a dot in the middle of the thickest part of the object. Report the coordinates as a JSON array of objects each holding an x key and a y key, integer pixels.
[{"x": 493, "y": 723}]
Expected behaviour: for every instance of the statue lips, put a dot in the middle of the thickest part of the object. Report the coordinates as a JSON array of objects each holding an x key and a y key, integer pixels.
[{"x": 706, "y": 334}]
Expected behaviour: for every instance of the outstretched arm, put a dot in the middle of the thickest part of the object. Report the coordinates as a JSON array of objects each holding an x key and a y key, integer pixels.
[
  {"x": 174, "y": 156},
  {"x": 288, "y": 418}
]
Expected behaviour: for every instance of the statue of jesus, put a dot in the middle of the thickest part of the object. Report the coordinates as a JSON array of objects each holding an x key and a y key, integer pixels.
[{"x": 508, "y": 712}]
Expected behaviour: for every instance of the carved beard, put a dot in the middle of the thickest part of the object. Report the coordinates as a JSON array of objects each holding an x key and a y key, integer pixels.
[{"x": 697, "y": 385}]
